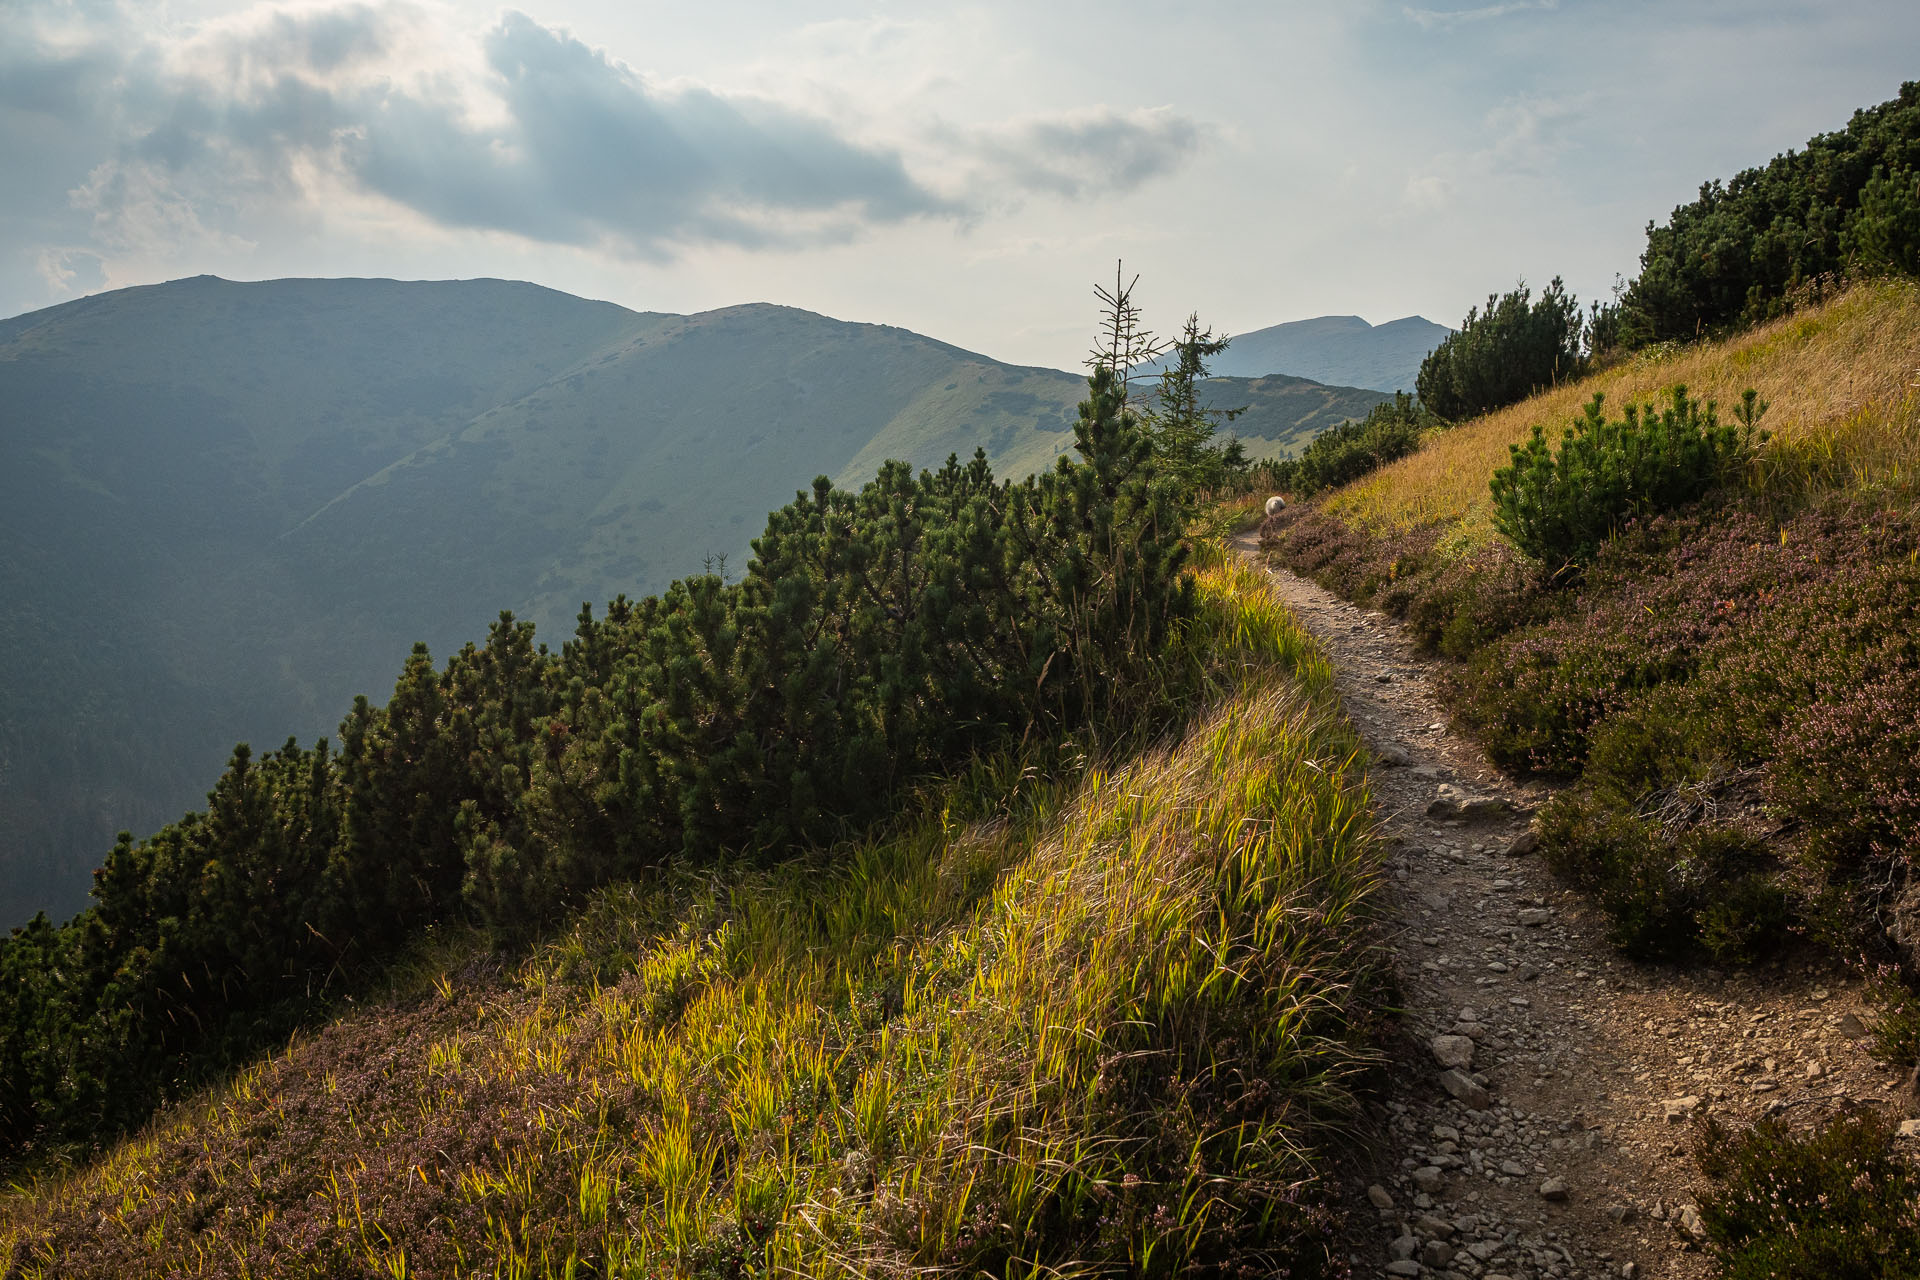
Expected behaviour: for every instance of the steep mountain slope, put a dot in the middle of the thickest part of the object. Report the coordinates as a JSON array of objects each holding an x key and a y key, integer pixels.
[
  {"x": 227, "y": 508},
  {"x": 1340, "y": 350}
]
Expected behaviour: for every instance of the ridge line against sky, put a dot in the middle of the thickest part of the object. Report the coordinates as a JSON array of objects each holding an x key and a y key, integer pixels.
[{"x": 964, "y": 172}]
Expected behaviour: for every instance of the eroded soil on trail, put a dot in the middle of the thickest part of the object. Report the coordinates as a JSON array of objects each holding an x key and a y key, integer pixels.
[{"x": 1543, "y": 1088}]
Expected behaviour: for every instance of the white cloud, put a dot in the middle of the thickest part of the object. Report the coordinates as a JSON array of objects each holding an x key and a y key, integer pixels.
[{"x": 1445, "y": 19}]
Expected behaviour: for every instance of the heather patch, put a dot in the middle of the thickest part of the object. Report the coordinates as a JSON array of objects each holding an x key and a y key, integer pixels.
[
  {"x": 1720, "y": 643},
  {"x": 1839, "y": 1203}
]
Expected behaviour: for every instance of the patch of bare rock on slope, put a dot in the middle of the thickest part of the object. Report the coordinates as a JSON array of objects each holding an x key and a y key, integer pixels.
[{"x": 1538, "y": 1119}]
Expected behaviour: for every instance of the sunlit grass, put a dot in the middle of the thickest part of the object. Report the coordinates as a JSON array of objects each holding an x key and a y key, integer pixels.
[
  {"x": 1843, "y": 379},
  {"x": 1088, "y": 1021}
]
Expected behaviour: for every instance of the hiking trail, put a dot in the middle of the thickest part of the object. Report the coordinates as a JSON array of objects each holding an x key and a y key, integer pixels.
[{"x": 1537, "y": 1122}]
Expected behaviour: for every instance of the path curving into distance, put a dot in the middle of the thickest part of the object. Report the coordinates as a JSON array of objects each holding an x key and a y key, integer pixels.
[{"x": 1542, "y": 1087}]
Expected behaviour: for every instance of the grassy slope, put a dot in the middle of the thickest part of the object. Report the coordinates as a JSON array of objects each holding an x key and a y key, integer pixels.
[
  {"x": 1099, "y": 1018},
  {"x": 1842, "y": 379}
]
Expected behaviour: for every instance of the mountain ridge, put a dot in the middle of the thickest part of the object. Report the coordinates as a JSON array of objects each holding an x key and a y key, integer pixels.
[
  {"x": 1337, "y": 350},
  {"x": 213, "y": 487}
]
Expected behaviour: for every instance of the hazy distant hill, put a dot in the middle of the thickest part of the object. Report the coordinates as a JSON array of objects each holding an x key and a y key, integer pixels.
[
  {"x": 1341, "y": 350},
  {"x": 227, "y": 508}
]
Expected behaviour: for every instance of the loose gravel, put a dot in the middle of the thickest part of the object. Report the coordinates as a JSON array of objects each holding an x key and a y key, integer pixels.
[{"x": 1543, "y": 1089}]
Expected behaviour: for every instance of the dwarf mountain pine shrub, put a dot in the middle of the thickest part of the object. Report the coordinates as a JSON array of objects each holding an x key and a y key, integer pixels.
[
  {"x": 1502, "y": 355},
  {"x": 877, "y": 638},
  {"x": 1560, "y": 506},
  {"x": 1342, "y": 454}
]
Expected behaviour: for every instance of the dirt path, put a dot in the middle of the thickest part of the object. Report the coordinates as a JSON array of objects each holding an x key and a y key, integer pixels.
[{"x": 1537, "y": 1120}]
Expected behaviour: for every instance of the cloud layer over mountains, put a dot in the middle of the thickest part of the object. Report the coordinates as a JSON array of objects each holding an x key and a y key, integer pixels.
[{"x": 288, "y": 114}]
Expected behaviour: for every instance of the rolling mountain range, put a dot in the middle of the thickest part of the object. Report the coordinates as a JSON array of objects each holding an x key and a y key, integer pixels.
[
  {"x": 1342, "y": 350},
  {"x": 227, "y": 508}
]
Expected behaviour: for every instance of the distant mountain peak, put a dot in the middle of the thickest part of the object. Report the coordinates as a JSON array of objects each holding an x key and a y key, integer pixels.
[{"x": 1338, "y": 350}]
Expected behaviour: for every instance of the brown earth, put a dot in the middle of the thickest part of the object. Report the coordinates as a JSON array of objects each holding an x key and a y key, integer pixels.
[{"x": 1564, "y": 1149}]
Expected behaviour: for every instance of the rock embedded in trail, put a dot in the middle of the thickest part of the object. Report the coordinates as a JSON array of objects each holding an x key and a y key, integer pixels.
[
  {"x": 1523, "y": 844},
  {"x": 1468, "y": 1090},
  {"x": 1393, "y": 756},
  {"x": 1553, "y": 1189},
  {"x": 1450, "y": 801},
  {"x": 1678, "y": 1109},
  {"x": 1452, "y": 1051}
]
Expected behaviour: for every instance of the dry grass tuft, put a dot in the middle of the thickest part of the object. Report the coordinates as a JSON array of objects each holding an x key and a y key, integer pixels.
[{"x": 1843, "y": 379}]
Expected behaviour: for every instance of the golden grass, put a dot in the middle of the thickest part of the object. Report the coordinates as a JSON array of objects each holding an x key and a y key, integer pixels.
[
  {"x": 945, "y": 1050},
  {"x": 1843, "y": 379}
]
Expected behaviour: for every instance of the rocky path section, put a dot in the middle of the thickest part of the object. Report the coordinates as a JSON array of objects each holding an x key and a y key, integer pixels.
[{"x": 1537, "y": 1124}]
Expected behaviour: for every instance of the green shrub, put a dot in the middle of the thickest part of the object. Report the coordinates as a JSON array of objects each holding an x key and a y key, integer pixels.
[
  {"x": 1835, "y": 1204},
  {"x": 1516, "y": 347},
  {"x": 1653, "y": 743},
  {"x": 1342, "y": 454},
  {"x": 1746, "y": 919},
  {"x": 1739, "y": 254},
  {"x": 1560, "y": 506},
  {"x": 1667, "y": 895}
]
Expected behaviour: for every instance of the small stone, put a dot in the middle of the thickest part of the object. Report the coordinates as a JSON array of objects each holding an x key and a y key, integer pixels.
[
  {"x": 1815, "y": 1071},
  {"x": 1452, "y": 1051},
  {"x": 1513, "y": 1168},
  {"x": 1678, "y": 1109},
  {"x": 1851, "y": 1027},
  {"x": 1379, "y": 1197},
  {"x": 1393, "y": 756},
  {"x": 1429, "y": 1179},
  {"x": 1523, "y": 844},
  {"x": 1404, "y": 1247},
  {"x": 1690, "y": 1222},
  {"x": 1498, "y": 966},
  {"x": 1383, "y": 677},
  {"x": 1436, "y": 1253},
  {"x": 1466, "y": 1089},
  {"x": 1403, "y": 1267},
  {"x": 1629, "y": 1271},
  {"x": 1621, "y": 1213},
  {"x": 1534, "y": 917},
  {"x": 1553, "y": 1189},
  {"x": 1429, "y": 1227},
  {"x": 1909, "y": 1129}
]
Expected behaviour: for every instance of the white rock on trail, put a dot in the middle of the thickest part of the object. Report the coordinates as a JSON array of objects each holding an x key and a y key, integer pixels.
[{"x": 1450, "y": 801}]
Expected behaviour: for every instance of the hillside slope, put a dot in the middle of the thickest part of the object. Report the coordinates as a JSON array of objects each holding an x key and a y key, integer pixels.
[
  {"x": 1091, "y": 1018},
  {"x": 1839, "y": 379},
  {"x": 228, "y": 508}
]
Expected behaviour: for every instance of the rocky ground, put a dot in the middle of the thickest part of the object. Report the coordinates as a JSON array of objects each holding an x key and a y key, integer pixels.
[{"x": 1539, "y": 1121}]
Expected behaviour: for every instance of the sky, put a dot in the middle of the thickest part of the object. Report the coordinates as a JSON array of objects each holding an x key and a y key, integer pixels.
[{"x": 968, "y": 171}]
